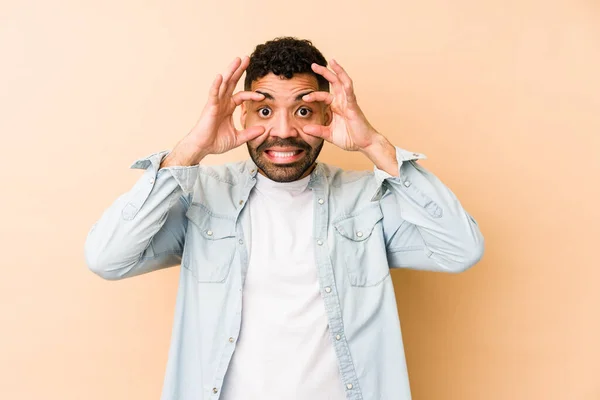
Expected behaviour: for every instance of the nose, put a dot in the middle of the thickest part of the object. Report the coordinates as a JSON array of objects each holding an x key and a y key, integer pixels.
[{"x": 283, "y": 127}]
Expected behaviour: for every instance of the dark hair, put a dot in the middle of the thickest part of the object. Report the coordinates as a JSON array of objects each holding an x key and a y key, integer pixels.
[{"x": 285, "y": 56}]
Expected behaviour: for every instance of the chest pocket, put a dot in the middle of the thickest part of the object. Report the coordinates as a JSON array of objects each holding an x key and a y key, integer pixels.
[
  {"x": 361, "y": 247},
  {"x": 209, "y": 245}
]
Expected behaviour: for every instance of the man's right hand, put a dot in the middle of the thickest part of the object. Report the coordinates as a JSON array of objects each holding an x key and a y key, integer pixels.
[{"x": 215, "y": 132}]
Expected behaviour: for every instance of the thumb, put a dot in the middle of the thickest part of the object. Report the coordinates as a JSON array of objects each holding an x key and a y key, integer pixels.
[
  {"x": 248, "y": 134},
  {"x": 320, "y": 131}
]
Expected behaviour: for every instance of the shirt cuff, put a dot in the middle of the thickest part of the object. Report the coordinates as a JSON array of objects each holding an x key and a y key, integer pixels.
[
  {"x": 185, "y": 176},
  {"x": 153, "y": 160},
  {"x": 401, "y": 157}
]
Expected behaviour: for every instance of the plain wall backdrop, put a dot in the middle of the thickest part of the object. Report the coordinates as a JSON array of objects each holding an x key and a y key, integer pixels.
[{"x": 502, "y": 96}]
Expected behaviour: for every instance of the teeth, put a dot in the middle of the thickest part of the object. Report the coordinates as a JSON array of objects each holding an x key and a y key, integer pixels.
[{"x": 281, "y": 154}]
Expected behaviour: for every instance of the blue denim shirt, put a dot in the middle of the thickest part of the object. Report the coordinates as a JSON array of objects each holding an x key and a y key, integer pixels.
[{"x": 364, "y": 223}]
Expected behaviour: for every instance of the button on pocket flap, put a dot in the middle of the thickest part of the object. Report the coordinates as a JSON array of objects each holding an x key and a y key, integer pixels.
[
  {"x": 211, "y": 227},
  {"x": 359, "y": 226}
]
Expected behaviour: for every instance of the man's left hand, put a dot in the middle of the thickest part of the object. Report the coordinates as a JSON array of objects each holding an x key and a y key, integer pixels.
[{"x": 349, "y": 129}]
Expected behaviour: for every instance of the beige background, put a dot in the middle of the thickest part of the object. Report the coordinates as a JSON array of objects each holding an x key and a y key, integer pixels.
[{"x": 504, "y": 98}]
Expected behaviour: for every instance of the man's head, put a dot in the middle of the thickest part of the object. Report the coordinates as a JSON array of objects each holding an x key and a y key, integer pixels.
[{"x": 281, "y": 70}]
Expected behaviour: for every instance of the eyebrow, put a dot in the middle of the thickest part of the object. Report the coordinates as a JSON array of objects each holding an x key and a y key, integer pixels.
[{"x": 269, "y": 96}]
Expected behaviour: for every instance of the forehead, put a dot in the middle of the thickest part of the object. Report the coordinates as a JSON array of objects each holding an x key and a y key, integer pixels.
[{"x": 283, "y": 89}]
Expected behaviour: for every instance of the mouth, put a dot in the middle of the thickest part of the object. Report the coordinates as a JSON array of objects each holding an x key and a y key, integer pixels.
[{"x": 284, "y": 156}]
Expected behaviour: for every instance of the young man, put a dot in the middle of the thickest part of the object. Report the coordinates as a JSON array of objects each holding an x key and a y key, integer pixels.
[{"x": 285, "y": 290}]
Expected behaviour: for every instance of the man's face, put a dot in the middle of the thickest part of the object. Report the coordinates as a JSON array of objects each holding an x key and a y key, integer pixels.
[{"x": 284, "y": 153}]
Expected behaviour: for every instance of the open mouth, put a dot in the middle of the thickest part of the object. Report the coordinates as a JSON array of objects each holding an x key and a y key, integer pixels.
[{"x": 284, "y": 157}]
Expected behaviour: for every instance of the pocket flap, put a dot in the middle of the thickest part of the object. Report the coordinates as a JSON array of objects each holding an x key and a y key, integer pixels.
[
  {"x": 359, "y": 226},
  {"x": 211, "y": 226}
]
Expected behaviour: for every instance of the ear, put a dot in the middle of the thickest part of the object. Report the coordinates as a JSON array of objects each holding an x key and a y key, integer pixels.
[{"x": 244, "y": 112}]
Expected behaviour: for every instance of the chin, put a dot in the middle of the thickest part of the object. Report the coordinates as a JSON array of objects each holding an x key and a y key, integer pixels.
[{"x": 283, "y": 173}]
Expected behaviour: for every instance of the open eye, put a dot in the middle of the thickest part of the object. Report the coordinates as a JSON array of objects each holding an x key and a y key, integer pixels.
[
  {"x": 304, "y": 112},
  {"x": 264, "y": 112}
]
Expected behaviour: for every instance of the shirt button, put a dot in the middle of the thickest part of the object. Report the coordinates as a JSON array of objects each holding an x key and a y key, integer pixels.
[
  {"x": 231, "y": 340},
  {"x": 240, "y": 241},
  {"x": 215, "y": 390},
  {"x": 328, "y": 289},
  {"x": 337, "y": 337},
  {"x": 359, "y": 234},
  {"x": 241, "y": 202},
  {"x": 151, "y": 181},
  {"x": 349, "y": 386},
  {"x": 321, "y": 201},
  {"x": 320, "y": 242},
  {"x": 209, "y": 233},
  {"x": 407, "y": 183}
]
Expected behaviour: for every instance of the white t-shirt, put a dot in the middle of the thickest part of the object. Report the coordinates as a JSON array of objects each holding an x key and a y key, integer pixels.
[{"x": 284, "y": 350}]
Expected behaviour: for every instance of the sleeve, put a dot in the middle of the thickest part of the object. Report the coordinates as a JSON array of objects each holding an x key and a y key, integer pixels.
[
  {"x": 144, "y": 229},
  {"x": 425, "y": 226}
]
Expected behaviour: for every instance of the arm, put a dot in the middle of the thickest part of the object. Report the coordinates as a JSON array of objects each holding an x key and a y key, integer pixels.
[
  {"x": 144, "y": 229},
  {"x": 424, "y": 224}
]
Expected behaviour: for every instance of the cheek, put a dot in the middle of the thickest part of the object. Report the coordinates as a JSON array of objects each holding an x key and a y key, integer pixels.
[{"x": 312, "y": 141}]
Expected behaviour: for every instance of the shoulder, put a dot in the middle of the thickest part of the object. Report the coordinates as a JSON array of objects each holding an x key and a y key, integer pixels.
[
  {"x": 229, "y": 173},
  {"x": 338, "y": 177}
]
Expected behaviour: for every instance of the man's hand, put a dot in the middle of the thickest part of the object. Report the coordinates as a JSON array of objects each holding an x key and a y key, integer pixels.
[
  {"x": 215, "y": 132},
  {"x": 349, "y": 129}
]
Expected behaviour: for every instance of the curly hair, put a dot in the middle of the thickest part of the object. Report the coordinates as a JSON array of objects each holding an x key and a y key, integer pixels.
[{"x": 285, "y": 56}]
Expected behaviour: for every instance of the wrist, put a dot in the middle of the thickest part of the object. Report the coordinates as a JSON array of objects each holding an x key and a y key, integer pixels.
[
  {"x": 378, "y": 145},
  {"x": 382, "y": 153},
  {"x": 181, "y": 156}
]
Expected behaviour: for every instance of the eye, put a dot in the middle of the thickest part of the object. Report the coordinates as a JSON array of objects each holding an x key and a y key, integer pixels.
[
  {"x": 304, "y": 112},
  {"x": 264, "y": 112}
]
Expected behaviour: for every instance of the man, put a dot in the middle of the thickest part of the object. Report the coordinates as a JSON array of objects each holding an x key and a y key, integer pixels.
[{"x": 284, "y": 290}]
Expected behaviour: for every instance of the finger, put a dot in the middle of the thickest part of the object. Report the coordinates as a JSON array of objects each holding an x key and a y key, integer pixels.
[
  {"x": 213, "y": 93},
  {"x": 320, "y": 131},
  {"x": 343, "y": 76},
  {"x": 230, "y": 85},
  {"x": 325, "y": 97},
  {"x": 238, "y": 73},
  {"x": 248, "y": 134},
  {"x": 240, "y": 97},
  {"x": 228, "y": 74},
  {"x": 347, "y": 83},
  {"x": 232, "y": 68},
  {"x": 325, "y": 73}
]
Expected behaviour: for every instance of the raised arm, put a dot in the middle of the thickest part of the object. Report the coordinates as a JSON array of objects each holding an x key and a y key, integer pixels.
[
  {"x": 144, "y": 229},
  {"x": 424, "y": 224}
]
